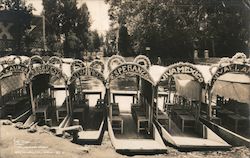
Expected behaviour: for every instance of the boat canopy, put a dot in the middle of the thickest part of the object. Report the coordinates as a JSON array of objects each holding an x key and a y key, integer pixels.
[
  {"x": 187, "y": 87},
  {"x": 233, "y": 85}
]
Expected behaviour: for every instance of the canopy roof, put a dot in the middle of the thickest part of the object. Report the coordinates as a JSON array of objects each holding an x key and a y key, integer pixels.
[{"x": 233, "y": 85}]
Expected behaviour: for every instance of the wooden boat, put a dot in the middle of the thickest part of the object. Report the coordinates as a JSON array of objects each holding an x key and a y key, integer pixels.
[
  {"x": 14, "y": 97},
  {"x": 177, "y": 108},
  {"x": 130, "y": 125},
  {"x": 229, "y": 102},
  {"x": 88, "y": 109},
  {"x": 48, "y": 90}
]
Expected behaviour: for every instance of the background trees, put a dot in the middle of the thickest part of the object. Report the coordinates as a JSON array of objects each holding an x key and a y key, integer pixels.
[
  {"x": 173, "y": 29},
  {"x": 68, "y": 25},
  {"x": 22, "y": 15}
]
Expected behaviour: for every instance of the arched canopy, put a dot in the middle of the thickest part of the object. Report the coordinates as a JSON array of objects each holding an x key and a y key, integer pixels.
[
  {"x": 234, "y": 68},
  {"x": 183, "y": 68},
  {"x": 130, "y": 69},
  {"x": 142, "y": 60},
  {"x": 96, "y": 64},
  {"x": 55, "y": 60},
  {"x": 76, "y": 64},
  {"x": 36, "y": 58},
  {"x": 115, "y": 60},
  {"x": 46, "y": 69},
  {"x": 87, "y": 72},
  {"x": 17, "y": 68}
]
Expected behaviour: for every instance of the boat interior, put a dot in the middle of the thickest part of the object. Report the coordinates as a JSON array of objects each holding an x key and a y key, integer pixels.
[
  {"x": 232, "y": 115},
  {"x": 15, "y": 100},
  {"x": 46, "y": 99},
  {"x": 87, "y": 99},
  {"x": 178, "y": 114},
  {"x": 130, "y": 110}
]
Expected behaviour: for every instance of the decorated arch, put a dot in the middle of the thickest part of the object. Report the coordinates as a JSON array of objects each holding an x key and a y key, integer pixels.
[
  {"x": 86, "y": 72},
  {"x": 183, "y": 68},
  {"x": 115, "y": 61},
  {"x": 238, "y": 68},
  {"x": 46, "y": 69},
  {"x": 237, "y": 64},
  {"x": 55, "y": 60},
  {"x": 131, "y": 69},
  {"x": 98, "y": 65},
  {"x": 16, "y": 68},
  {"x": 18, "y": 58},
  {"x": 143, "y": 60},
  {"x": 76, "y": 64},
  {"x": 35, "y": 59}
]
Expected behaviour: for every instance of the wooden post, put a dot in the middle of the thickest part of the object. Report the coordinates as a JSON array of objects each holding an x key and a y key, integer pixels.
[
  {"x": 32, "y": 99},
  {"x": 156, "y": 106},
  {"x": 209, "y": 112},
  {"x": 108, "y": 100},
  {"x": 67, "y": 102}
]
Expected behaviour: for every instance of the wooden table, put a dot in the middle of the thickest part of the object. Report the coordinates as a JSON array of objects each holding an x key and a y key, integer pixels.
[
  {"x": 187, "y": 121},
  {"x": 236, "y": 119}
]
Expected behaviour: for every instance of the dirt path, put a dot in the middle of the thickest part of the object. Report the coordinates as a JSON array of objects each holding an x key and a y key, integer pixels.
[{"x": 16, "y": 143}]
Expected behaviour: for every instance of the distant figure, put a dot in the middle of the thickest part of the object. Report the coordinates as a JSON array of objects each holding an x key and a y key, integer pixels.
[{"x": 159, "y": 61}]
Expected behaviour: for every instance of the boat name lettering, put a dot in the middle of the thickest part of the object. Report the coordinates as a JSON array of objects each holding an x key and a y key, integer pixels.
[
  {"x": 14, "y": 68},
  {"x": 45, "y": 69},
  {"x": 128, "y": 69},
  {"x": 183, "y": 70}
]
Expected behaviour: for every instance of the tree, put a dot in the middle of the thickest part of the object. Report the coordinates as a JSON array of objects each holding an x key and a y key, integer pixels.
[
  {"x": 123, "y": 41},
  {"x": 94, "y": 41},
  {"x": 23, "y": 14},
  {"x": 175, "y": 28},
  {"x": 67, "y": 21}
]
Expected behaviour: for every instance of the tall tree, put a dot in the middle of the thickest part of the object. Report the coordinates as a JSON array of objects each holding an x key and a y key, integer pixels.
[{"x": 123, "y": 41}]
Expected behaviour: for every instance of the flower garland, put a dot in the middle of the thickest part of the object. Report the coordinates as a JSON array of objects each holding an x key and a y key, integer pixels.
[
  {"x": 115, "y": 59},
  {"x": 55, "y": 60},
  {"x": 76, "y": 64},
  {"x": 98, "y": 65},
  {"x": 143, "y": 60}
]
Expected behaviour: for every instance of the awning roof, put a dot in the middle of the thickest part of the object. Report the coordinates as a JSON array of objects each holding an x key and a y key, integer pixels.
[
  {"x": 156, "y": 72},
  {"x": 187, "y": 87},
  {"x": 234, "y": 86}
]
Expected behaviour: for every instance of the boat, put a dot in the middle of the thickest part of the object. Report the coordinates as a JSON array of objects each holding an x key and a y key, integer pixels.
[
  {"x": 15, "y": 102},
  {"x": 87, "y": 104},
  {"x": 177, "y": 108},
  {"x": 47, "y": 81},
  {"x": 229, "y": 100},
  {"x": 130, "y": 124}
]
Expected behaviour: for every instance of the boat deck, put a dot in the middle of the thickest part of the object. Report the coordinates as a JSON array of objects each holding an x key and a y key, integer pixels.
[{"x": 130, "y": 130}]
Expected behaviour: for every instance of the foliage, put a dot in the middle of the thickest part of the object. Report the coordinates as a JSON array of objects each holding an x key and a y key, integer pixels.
[
  {"x": 23, "y": 15},
  {"x": 68, "y": 24},
  {"x": 123, "y": 41},
  {"x": 174, "y": 28}
]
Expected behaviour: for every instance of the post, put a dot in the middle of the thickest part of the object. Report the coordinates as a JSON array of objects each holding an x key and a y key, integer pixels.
[
  {"x": 67, "y": 102},
  {"x": 32, "y": 99},
  {"x": 209, "y": 113},
  {"x": 44, "y": 38}
]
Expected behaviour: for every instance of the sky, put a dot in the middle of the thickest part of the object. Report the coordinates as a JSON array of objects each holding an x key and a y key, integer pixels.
[{"x": 97, "y": 8}]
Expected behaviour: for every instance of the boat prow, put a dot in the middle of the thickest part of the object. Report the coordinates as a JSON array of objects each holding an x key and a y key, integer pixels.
[{"x": 137, "y": 146}]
